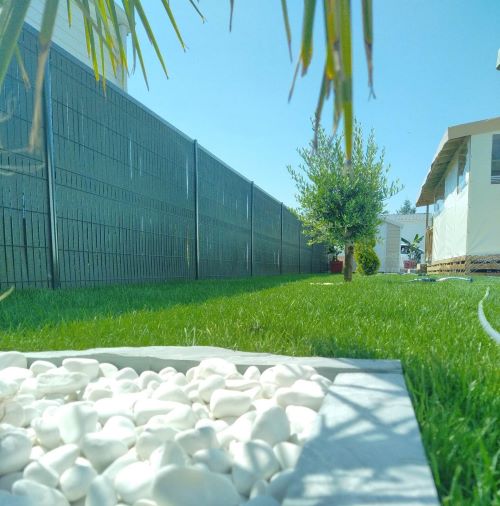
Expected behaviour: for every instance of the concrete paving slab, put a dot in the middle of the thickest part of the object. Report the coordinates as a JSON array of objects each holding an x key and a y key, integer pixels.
[
  {"x": 366, "y": 448},
  {"x": 183, "y": 357}
]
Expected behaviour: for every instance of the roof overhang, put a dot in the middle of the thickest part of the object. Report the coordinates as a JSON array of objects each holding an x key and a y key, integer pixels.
[{"x": 447, "y": 148}]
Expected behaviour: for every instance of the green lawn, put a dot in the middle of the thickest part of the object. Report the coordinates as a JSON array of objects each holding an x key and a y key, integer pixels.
[{"x": 451, "y": 366}]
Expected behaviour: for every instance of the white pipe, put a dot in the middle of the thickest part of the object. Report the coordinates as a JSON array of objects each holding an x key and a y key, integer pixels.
[{"x": 484, "y": 322}]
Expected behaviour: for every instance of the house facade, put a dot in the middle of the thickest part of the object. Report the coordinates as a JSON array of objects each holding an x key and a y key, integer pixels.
[
  {"x": 463, "y": 188},
  {"x": 388, "y": 245},
  {"x": 72, "y": 38}
]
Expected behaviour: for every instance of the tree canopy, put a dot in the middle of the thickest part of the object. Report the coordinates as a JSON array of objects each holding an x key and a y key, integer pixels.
[
  {"x": 407, "y": 208},
  {"x": 337, "y": 205}
]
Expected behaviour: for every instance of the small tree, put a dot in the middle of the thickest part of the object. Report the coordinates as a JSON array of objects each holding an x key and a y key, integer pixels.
[
  {"x": 366, "y": 257},
  {"x": 340, "y": 204},
  {"x": 407, "y": 208}
]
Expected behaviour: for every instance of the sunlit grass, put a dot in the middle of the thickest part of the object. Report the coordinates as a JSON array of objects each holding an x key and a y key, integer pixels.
[{"x": 450, "y": 365}]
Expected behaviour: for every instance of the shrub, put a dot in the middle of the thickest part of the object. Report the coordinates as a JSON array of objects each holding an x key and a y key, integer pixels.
[{"x": 366, "y": 258}]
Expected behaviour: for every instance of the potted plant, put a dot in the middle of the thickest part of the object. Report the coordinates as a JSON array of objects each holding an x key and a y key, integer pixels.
[{"x": 336, "y": 265}]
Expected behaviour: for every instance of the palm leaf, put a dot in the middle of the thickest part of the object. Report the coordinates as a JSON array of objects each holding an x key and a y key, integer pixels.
[{"x": 288, "y": 31}]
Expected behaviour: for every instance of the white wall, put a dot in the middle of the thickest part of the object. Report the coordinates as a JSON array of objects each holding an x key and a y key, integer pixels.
[
  {"x": 411, "y": 224},
  {"x": 388, "y": 247},
  {"x": 483, "y": 226},
  {"x": 72, "y": 39},
  {"x": 450, "y": 223}
]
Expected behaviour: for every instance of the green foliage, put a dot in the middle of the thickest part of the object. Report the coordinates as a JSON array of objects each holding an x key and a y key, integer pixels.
[
  {"x": 407, "y": 208},
  {"x": 366, "y": 258},
  {"x": 413, "y": 247},
  {"x": 450, "y": 364},
  {"x": 340, "y": 205}
]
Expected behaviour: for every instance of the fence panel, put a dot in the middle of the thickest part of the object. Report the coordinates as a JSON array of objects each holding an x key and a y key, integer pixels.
[
  {"x": 124, "y": 185},
  {"x": 133, "y": 199},
  {"x": 225, "y": 219},
  {"x": 24, "y": 225},
  {"x": 267, "y": 234}
]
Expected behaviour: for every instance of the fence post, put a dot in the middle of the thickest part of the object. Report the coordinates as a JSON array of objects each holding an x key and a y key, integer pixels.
[
  {"x": 251, "y": 227},
  {"x": 51, "y": 176},
  {"x": 281, "y": 238},
  {"x": 196, "y": 213}
]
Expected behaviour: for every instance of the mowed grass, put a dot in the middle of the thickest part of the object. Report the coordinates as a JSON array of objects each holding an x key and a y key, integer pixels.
[{"x": 450, "y": 364}]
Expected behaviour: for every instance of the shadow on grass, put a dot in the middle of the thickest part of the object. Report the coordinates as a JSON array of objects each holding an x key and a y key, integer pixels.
[{"x": 33, "y": 309}]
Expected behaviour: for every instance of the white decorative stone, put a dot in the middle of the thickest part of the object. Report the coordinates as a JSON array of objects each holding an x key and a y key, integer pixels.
[
  {"x": 179, "y": 418},
  {"x": 147, "y": 377},
  {"x": 193, "y": 440},
  {"x": 41, "y": 495},
  {"x": 8, "y": 389},
  {"x": 88, "y": 366},
  {"x": 211, "y": 366},
  {"x": 240, "y": 429},
  {"x": 301, "y": 419},
  {"x": 262, "y": 500},
  {"x": 120, "y": 463},
  {"x": 170, "y": 453},
  {"x": 145, "y": 409},
  {"x": 170, "y": 392},
  {"x": 76, "y": 480},
  {"x": 209, "y": 385},
  {"x": 75, "y": 420},
  {"x": 107, "y": 370},
  {"x": 15, "y": 449},
  {"x": 8, "y": 479},
  {"x": 126, "y": 373},
  {"x": 153, "y": 437},
  {"x": 134, "y": 482},
  {"x": 271, "y": 425},
  {"x": 287, "y": 454},
  {"x": 101, "y": 449},
  {"x": 40, "y": 366},
  {"x": 101, "y": 493},
  {"x": 176, "y": 486},
  {"x": 252, "y": 373},
  {"x": 119, "y": 405},
  {"x": 302, "y": 393},
  {"x": 60, "y": 458},
  {"x": 12, "y": 359},
  {"x": 216, "y": 460},
  {"x": 286, "y": 375},
  {"x": 60, "y": 381},
  {"x": 228, "y": 403},
  {"x": 121, "y": 428},
  {"x": 47, "y": 431},
  {"x": 35, "y": 471},
  {"x": 258, "y": 488},
  {"x": 252, "y": 461},
  {"x": 279, "y": 483},
  {"x": 13, "y": 413},
  {"x": 16, "y": 374}
]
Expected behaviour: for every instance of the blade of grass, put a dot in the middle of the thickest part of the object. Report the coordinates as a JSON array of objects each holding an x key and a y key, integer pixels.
[{"x": 5, "y": 294}]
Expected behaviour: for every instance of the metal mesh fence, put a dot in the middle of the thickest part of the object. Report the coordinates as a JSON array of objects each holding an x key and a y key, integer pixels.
[{"x": 129, "y": 197}]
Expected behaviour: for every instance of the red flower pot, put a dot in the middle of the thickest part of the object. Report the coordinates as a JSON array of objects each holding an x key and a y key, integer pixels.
[{"x": 336, "y": 266}]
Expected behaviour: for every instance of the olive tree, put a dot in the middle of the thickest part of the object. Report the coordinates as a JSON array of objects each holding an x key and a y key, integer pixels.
[{"x": 340, "y": 204}]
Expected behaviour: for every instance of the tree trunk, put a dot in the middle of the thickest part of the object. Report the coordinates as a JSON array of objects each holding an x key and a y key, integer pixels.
[{"x": 349, "y": 253}]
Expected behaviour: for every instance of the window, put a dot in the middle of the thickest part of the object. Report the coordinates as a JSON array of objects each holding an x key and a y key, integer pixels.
[
  {"x": 495, "y": 159},
  {"x": 463, "y": 164},
  {"x": 439, "y": 197}
]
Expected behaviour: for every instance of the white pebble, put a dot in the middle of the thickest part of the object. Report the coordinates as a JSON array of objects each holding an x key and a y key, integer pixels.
[
  {"x": 279, "y": 483},
  {"x": 302, "y": 393},
  {"x": 41, "y": 495},
  {"x": 170, "y": 392},
  {"x": 271, "y": 425},
  {"x": 193, "y": 440},
  {"x": 211, "y": 366},
  {"x": 60, "y": 381},
  {"x": 209, "y": 385},
  {"x": 75, "y": 420},
  {"x": 287, "y": 454},
  {"x": 215, "y": 459},
  {"x": 102, "y": 449},
  {"x": 121, "y": 428},
  {"x": 170, "y": 453},
  {"x": 60, "y": 458},
  {"x": 40, "y": 366},
  {"x": 35, "y": 471},
  {"x": 134, "y": 482},
  {"x": 47, "y": 431},
  {"x": 8, "y": 389},
  {"x": 15, "y": 449},
  {"x": 101, "y": 493},
  {"x": 12, "y": 359},
  {"x": 228, "y": 403},
  {"x": 252, "y": 461},
  {"x": 76, "y": 481},
  {"x": 7, "y": 480},
  {"x": 16, "y": 374},
  {"x": 176, "y": 486}
]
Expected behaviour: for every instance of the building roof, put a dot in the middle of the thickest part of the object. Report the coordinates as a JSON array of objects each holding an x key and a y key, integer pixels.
[{"x": 451, "y": 140}]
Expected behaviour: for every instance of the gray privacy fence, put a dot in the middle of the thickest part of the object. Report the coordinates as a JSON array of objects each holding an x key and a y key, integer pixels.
[{"x": 117, "y": 195}]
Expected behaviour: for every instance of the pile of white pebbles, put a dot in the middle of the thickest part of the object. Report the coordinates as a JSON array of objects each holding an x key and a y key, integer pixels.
[{"x": 88, "y": 433}]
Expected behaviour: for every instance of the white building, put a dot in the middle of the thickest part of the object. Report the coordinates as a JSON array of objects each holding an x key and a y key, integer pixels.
[
  {"x": 463, "y": 185},
  {"x": 388, "y": 245},
  {"x": 72, "y": 38}
]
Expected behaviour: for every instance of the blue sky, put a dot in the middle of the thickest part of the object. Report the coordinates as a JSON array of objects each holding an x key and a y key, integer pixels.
[{"x": 434, "y": 66}]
